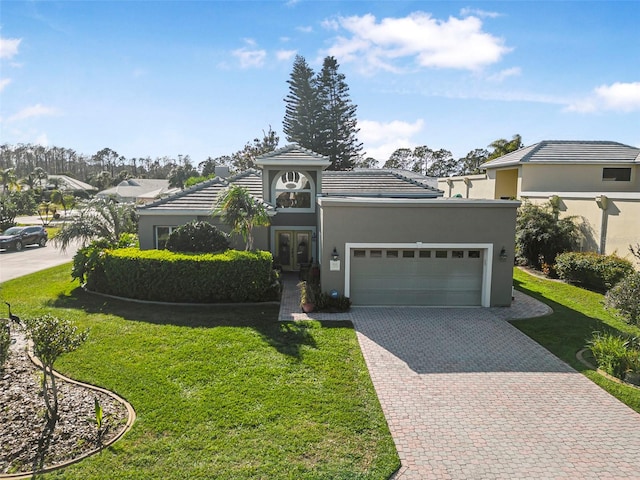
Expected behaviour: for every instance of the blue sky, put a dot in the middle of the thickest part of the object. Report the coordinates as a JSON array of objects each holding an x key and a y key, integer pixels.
[{"x": 202, "y": 78}]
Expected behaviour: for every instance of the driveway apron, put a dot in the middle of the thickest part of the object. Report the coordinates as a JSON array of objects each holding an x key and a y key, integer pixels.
[{"x": 467, "y": 396}]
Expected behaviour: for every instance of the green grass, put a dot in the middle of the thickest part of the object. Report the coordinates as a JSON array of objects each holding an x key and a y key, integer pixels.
[
  {"x": 577, "y": 313},
  {"x": 219, "y": 392}
]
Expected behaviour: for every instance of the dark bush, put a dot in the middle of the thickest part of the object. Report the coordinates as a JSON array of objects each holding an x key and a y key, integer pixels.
[
  {"x": 160, "y": 275},
  {"x": 592, "y": 270},
  {"x": 327, "y": 303},
  {"x": 541, "y": 234},
  {"x": 625, "y": 297},
  {"x": 197, "y": 237}
]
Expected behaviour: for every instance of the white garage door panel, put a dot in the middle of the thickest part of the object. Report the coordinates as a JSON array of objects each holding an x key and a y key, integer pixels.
[{"x": 416, "y": 281}]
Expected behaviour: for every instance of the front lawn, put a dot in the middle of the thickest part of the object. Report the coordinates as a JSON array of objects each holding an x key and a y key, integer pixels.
[
  {"x": 219, "y": 392},
  {"x": 577, "y": 313}
]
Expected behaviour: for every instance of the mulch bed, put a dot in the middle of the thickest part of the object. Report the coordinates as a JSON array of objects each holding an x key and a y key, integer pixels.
[{"x": 26, "y": 443}]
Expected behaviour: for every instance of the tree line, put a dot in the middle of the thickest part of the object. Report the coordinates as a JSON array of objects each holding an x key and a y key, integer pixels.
[{"x": 319, "y": 115}]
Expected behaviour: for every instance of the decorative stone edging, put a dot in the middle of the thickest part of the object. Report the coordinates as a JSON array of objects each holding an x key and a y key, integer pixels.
[
  {"x": 131, "y": 417},
  {"x": 586, "y": 363}
]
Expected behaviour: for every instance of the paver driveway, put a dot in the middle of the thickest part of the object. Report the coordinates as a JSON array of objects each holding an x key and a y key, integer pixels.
[{"x": 467, "y": 396}]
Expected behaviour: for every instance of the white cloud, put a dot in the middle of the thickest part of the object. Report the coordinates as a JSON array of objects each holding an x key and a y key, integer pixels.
[
  {"x": 381, "y": 139},
  {"x": 306, "y": 29},
  {"x": 285, "y": 55},
  {"x": 9, "y": 47},
  {"x": 4, "y": 82},
  {"x": 620, "y": 97},
  {"x": 380, "y": 45},
  {"x": 249, "y": 56},
  {"x": 33, "y": 111},
  {"x": 506, "y": 73},
  {"x": 476, "y": 12}
]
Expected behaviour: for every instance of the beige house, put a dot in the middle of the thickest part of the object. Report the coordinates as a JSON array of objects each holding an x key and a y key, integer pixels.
[
  {"x": 598, "y": 182},
  {"x": 379, "y": 236}
]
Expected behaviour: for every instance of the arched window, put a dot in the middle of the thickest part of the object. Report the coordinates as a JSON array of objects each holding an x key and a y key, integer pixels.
[{"x": 294, "y": 190}]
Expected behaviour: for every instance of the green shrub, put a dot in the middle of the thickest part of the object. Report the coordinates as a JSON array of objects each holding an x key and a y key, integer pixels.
[
  {"x": 327, "y": 303},
  {"x": 541, "y": 234},
  {"x": 5, "y": 341},
  {"x": 197, "y": 237},
  {"x": 625, "y": 297},
  {"x": 160, "y": 275},
  {"x": 592, "y": 270},
  {"x": 610, "y": 352}
]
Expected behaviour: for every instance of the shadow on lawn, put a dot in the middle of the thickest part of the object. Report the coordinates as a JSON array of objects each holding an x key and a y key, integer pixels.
[{"x": 287, "y": 338}]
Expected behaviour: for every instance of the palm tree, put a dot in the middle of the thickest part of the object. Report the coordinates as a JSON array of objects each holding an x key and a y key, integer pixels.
[
  {"x": 40, "y": 175},
  {"x": 9, "y": 179},
  {"x": 98, "y": 218},
  {"x": 29, "y": 181},
  {"x": 238, "y": 209}
]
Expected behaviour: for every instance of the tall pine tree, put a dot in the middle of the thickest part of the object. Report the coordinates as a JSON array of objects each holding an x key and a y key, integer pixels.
[
  {"x": 339, "y": 123},
  {"x": 301, "y": 117},
  {"x": 320, "y": 115}
]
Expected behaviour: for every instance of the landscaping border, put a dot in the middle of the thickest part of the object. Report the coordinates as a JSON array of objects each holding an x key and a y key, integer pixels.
[
  {"x": 131, "y": 414},
  {"x": 586, "y": 363}
]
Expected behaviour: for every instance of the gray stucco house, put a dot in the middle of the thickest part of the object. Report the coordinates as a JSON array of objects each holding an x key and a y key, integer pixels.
[{"x": 381, "y": 237}]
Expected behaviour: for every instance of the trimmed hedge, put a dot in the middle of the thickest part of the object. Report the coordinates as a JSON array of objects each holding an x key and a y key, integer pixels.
[
  {"x": 197, "y": 237},
  {"x": 592, "y": 270},
  {"x": 160, "y": 275}
]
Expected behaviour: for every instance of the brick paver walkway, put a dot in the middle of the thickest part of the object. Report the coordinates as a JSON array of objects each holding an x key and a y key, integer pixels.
[{"x": 467, "y": 396}]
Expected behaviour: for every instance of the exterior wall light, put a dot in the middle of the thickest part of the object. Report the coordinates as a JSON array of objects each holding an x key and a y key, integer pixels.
[
  {"x": 503, "y": 254},
  {"x": 334, "y": 254}
]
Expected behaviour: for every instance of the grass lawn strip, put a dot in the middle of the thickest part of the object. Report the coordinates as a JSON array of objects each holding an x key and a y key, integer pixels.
[
  {"x": 219, "y": 393},
  {"x": 577, "y": 313}
]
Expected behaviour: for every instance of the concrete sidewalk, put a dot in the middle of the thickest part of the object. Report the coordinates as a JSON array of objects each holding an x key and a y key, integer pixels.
[{"x": 468, "y": 396}]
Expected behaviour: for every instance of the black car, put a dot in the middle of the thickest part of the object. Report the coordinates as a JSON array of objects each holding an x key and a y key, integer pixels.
[{"x": 17, "y": 237}]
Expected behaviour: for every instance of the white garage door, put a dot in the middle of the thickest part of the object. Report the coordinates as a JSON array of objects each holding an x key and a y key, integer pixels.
[{"x": 437, "y": 276}]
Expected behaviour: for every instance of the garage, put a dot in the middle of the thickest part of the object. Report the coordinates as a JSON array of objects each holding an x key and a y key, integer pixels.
[{"x": 434, "y": 275}]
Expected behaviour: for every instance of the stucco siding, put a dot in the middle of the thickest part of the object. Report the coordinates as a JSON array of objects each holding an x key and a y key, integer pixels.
[
  {"x": 148, "y": 223},
  {"x": 430, "y": 222},
  {"x": 468, "y": 186},
  {"x": 507, "y": 183},
  {"x": 575, "y": 178},
  {"x": 605, "y": 231}
]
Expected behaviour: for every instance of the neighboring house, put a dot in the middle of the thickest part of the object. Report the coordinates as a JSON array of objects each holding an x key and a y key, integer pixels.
[
  {"x": 138, "y": 190},
  {"x": 68, "y": 184},
  {"x": 380, "y": 237},
  {"x": 598, "y": 182}
]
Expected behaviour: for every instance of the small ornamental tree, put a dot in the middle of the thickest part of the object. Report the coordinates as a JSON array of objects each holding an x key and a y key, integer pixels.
[
  {"x": 51, "y": 337},
  {"x": 241, "y": 212},
  {"x": 197, "y": 237}
]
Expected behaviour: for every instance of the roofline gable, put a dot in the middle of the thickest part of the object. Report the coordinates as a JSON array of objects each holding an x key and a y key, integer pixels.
[{"x": 299, "y": 156}]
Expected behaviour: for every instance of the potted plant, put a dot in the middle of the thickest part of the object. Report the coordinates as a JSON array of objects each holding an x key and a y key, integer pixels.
[{"x": 307, "y": 297}]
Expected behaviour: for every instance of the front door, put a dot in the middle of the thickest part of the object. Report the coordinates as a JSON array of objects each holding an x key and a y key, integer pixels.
[{"x": 293, "y": 248}]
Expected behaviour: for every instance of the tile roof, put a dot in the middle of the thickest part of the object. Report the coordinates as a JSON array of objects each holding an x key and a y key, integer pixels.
[
  {"x": 355, "y": 183},
  {"x": 292, "y": 151},
  {"x": 378, "y": 183},
  {"x": 135, "y": 187},
  {"x": 567, "y": 151},
  {"x": 203, "y": 195},
  {"x": 68, "y": 183}
]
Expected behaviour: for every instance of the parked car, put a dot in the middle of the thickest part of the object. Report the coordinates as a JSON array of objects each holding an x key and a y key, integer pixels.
[{"x": 17, "y": 237}]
